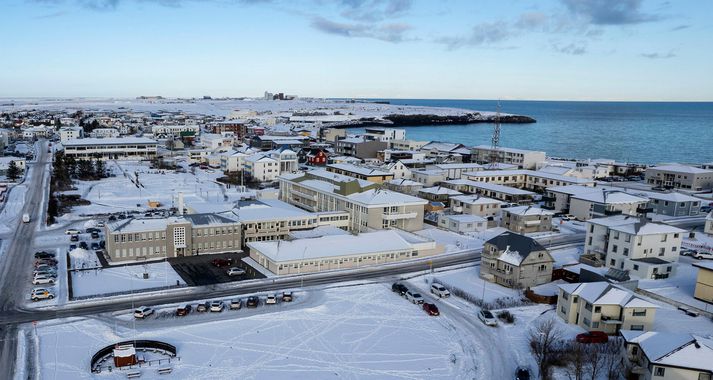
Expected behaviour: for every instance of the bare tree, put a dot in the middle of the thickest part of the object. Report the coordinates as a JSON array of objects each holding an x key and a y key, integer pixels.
[
  {"x": 544, "y": 336},
  {"x": 596, "y": 356},
  {"x": 577, "y": 361},
  {"x": 613, "y": 365}
]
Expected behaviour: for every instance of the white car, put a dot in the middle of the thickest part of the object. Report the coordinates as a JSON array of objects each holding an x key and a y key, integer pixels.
[
  {"x": 72, "y": 231},
  {"x": 487, "y": 317},
  {"x": 216, "y": 306},
  {"x": 271, "y": 299},
  {"x": 142, "y": 312},
  {"x": 440, "y": 290},
  {"x": 703, "y": 255},
  {"x": 41, "y": 294},
  {"x": 414, "y": 297},
  {"x": 235, "y": 271},
  {"x": 39, "y": 280}
]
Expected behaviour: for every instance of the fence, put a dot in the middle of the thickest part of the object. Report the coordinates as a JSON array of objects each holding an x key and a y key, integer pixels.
[
  {"x": 124, "y": 292},
  {"x": 140, "y": 345}
]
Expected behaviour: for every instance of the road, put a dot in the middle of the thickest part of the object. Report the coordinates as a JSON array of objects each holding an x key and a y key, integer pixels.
[{"x": 16, "y": 263}]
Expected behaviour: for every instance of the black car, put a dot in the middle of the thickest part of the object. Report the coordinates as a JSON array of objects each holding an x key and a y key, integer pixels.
[
  {"x": 253, "y": 301},
  {"x": 83, "y": 245},
  {"x": 400, "y": 288},
  {"x": 44, "y": 255},
  {"x": 522, "y": 373}
]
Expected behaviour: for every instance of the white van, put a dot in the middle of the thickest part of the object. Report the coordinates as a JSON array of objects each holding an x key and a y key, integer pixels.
[{"x": 25, "y": 218}]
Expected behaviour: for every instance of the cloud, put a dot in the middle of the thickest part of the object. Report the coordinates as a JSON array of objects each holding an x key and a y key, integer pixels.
[
  {"x": 482, "y": 34},
  {"x": 374, "y": 10},
  {"x": 390, "y": 32},
  {"x": 610, "y": 12},
  {"x": 657, "y": 55},
  {"x": 110, "y": 5},
  {"x": 679, "y": 27},
  {"x": 572, "y": 49}
]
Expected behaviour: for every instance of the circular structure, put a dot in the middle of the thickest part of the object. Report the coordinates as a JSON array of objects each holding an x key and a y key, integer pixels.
[{"x": 124, "y": 354}]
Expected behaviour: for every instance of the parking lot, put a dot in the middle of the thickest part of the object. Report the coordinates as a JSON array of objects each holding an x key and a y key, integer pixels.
[{"x": 200, "y": 270}]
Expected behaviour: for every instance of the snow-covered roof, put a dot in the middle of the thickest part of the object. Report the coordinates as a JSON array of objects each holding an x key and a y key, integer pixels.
[
  {"x": 464, "y": 218},
  {"x": 459, "y": 166},
  {"x": 404, "y": 182},
  {"x": 439, "y": 190},
  {"x": 110, "y": 141},
  {"x": 708, "y": 265},
  {"x": 673, "y": 197},
  {"x": 503, "y": 149},
  {"x": 475, "y": 199},
  {"x": 647, "y": 228},
  {"x": 609, "y": 197},
  {"x": 673, "y": 349},
  {"x": 614, "y": 220},
  {"x": 682, "y": 169},
  {"x": 359, "y": 169},
  {"x": 528, "y": 210},
  {"x": 376, "y": 197},
  {"x": 500, "y": 188},
  {"x": 349, "y": 245},
  {"x": 267, "y": 209},
  {"x": 512, "y": 257}
]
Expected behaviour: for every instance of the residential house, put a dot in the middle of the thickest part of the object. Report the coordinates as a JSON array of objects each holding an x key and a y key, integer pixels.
[
  {"x": 484, "y": 207},
  {"x": 524, "y": 159},
  {"x": 405, "y": 186},
  {"x": 515, "y": 261},
  {"x": 361, "y": 172},
  {"x": 438, "y": 194},
  {"x": 462, "y": 223},
  {"x": 657, "y": 355},
  {"x": 526, "y": 219},
  {"x": 70, "y": 133},
  {"x": 674, "y": 204},
  {"x": 429, "y": 177},
  {"x": 359, "y": 147},
  {"x": 600, "y": 306},
  {"x": 384, "y": 134},
  {"x": 704, "y": 282},
  {"x": 501, "y": 192}
]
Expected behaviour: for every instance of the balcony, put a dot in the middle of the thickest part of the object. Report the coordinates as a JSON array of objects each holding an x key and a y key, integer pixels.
[
  {"x": 399, "y": 216},
  {"x": 304, "y": 195},
  {"x": 610, "y": 320}
]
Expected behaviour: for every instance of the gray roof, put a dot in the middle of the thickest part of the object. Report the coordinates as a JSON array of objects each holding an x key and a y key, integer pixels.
[
  {"x": 208, "y": 219},
  {"x": 520, "y": 243},
  {"x": 651, "y": 260}
]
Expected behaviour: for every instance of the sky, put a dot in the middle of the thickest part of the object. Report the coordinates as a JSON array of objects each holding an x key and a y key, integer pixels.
[{"x": 645, "y": 50}]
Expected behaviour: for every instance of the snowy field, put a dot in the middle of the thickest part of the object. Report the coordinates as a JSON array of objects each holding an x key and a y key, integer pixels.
[
  {"x": 468, "y": 279},
  {"x": 567, "y": 256},
  {"x": 349, "y": 111},
  {"x": 10, "y": 211},
  {"x": 123, "y": 279},
  {"x": 117, "y": 194},
  {"x": 363, "y": 332}
]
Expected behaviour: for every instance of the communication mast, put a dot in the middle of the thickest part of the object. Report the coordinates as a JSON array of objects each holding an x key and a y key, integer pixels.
[{"x": 495, "y": 140}]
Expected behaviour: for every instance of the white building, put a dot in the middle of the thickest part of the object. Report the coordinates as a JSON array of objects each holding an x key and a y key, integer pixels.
[
  {"x": 70, "y": 133},
  {"x": 669, "y": 356},
  {"x": 645, "y": 249},
  {"x": 101, "y": 133},
  {"x": 266, "y": 167},
  {"x": 163, "y": 131},
  {"x": 127, "y": 148},
  {"x": 524, "y": 159},
  {"x": 319, "y": 254},
  {"x": 462, "y": 223},
  {"x": 385, "y": 134},
  {"x": 526, "y": 219},
  {"x": 680, "y": 177},
  {"x": 455, "y": 171},
  {"x": 231, "y": 162}
]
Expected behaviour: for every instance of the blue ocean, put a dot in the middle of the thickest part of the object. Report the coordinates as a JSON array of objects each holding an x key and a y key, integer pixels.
[{"x": 641, "y": 132}]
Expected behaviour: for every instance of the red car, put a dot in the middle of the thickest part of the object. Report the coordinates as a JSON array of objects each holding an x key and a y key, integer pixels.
[
  {"x": 222, "y": 262},
  {"x": 593, "y": 337},
  {"x": 431, "y": 309}
]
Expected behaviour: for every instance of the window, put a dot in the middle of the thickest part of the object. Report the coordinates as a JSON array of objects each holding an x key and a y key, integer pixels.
[
  {"x": 659, "y": 371},
  {"x": 637, "y": 327},
  {"x": 565, "y": 296},
  {"x": 626, "y": 252},
  {"x": 614, "y": 248},
  {"x": 662, "y": 251},
  {"x": 636, "y": 266},
  {"x": 588, "y": 306},
  {"x": 597, "y": 309},
  {"x": 563, "y": 310},
  {"x": 639, "y": 313},
  {"x": 704, "y": 376}
]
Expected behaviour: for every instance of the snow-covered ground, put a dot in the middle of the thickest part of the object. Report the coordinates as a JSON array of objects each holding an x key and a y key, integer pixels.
[
  {"x": 468, "y": 279},
  {"x": 10, "y": 211},
  {"x": 119, "y": 193},
  {"x": 456, "y": 242},
  {"x": 567, "y": 256},
  {"x": 123, "y": 279},
  {"x": 364, "y": 332},
  {"x": 680, "y": 287}
]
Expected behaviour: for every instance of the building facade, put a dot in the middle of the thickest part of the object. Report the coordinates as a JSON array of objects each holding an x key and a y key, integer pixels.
[
  {"x": 127, "y": 148},
  {"x": 515, "y": 261}
]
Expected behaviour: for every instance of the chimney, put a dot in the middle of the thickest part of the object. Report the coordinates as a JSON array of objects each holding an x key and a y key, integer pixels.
[{"x": 180, "y": 203}]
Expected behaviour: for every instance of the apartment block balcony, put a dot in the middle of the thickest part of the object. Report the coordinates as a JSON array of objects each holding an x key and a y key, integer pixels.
[
  {"x": 607, "y": 320},
  {"x": 304, "y": 195},
  {"x": 399, "y": 216}
]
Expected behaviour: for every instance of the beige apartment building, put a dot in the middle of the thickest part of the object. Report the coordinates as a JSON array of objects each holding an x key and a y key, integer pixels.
[
  {"x": 599, "y": 306},
  {"x": 654, "y": 355},
  {"x": 680, "y": 177},
  {"x": 704, "y": 282},
  {"x": 525, "y": 159},
  {"x": 515, "y": 261},
  {"x": 158, "y": 238},
  {"x": 368, "y": 206}
]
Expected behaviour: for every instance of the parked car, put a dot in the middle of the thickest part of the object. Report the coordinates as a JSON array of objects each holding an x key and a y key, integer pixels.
[
  {"x": 271, "y": 299},
  {"x": 183, "y": 310},
  {"x": 236, "y": 304},
  {"x": 83, "y": 245},
  {"x": 40, "y": 280},
  {"x": 74, "y": 238},
  {"x": 95, "y": 246},
  {"x": 567, "y": 217},
  {"x": 142, "y": 312},
  {"x": 203, "y": 307},
  {"x": 41, "y": 294},
  {"x": 688, "y": 252},
  {"x": 414, "y": 297},
  {"x": 286, "y": 296},
  {"x": 440, "y": 290},
  {"x": 101, "y": 224},
  {"x": 702, "y": 255},
  {"x": 72, "y": 231},
  {"x": 95, "y": 235},
  {"x": 522, "y": 373},
  {"x": 50, "y": 262},
  {"x": 72, "y": 247},
  {"x": 235, "y": 271},
  {"x": 44, "y": 273},
  {"x": 400, "y": 288},
  {"x": 216, "y": 306},
  {"x": 222, "y": 262},
  {"x": 487, "y": 317},
  {"x": 593, "y": 337},
  {"x": 45, "y": 268},
  {"x": 44, "y": 255},
  {"x": 253, "y": 301},
  {"x": 431, "y": 309}
]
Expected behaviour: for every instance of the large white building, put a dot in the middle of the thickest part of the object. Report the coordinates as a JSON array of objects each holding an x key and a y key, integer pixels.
[
  {"x": 163, "y": 131},
  {"x": 524, "y": 159},
  {"x": 680, "y": 177},
  {"x": 266, "y": 167},
  {"x": 340, "y": 251},
  {"x": 645, "y": 249},
  {"x": 127, "y": 148},
  {"x": 70, "y": 133}
]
